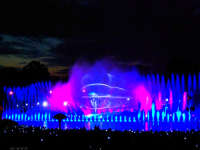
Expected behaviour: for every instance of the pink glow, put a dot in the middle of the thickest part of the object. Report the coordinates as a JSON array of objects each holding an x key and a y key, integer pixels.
[
  {"x": 88, "y": 126},
  {"x": 170, "y": 99},
  {"x": 86, "y": 111},
  {"x": 110, "y": 110},
  {"x": 73, "y": 94},
  {"x": 65, "y": 97},
  {"x": 159, "y": 101},
  {"x": 83, "y": 90},
  {"x": 11, "y": 93},
  {"x": 61, "y": 93},
  {"x": 143, "y": 97},
  {"x": 98, "y": 111},
  {"x": 146, "y": 126},
  {"x": 184, "y": 100}
]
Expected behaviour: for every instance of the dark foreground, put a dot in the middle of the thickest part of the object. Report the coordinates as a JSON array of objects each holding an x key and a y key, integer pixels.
[{"x": 28, "y": 138}]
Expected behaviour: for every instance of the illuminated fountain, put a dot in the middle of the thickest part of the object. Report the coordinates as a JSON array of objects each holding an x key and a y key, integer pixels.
[{"x": 110, "y": 98}]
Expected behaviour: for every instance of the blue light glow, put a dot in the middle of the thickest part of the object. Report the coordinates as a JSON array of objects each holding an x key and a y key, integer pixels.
[{"x": 108, "y": 105}]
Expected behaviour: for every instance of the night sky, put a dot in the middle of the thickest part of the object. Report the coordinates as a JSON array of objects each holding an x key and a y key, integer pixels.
[{"x": 60, "y": 32}]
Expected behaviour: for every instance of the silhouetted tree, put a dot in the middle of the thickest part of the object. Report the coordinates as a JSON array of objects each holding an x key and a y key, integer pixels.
[
  {"x": 59, "y": 117},
  {"x": 35, "y": 71}
]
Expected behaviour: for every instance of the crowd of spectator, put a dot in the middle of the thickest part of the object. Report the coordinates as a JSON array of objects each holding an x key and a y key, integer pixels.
[{"x": 25, "y": 138}]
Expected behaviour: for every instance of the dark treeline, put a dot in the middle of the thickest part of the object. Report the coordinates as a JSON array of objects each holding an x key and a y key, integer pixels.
[
  {"x": 42, "y": 138},
  {"x": 34, "y": 71}
]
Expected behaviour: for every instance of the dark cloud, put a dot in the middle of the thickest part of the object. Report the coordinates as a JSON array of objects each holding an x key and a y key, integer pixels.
[
  {"x": 28, "y": 47},
  {"x": 23, "y": 63},
  {"x": 7, "y": 50},
  {"x": 72, "y": 50},
  {"x": 1, "y": 66},
  {"x": 150, "y": 32},
  {"x": 62, "y": 71},
  {"x": 54, "y": 61}
]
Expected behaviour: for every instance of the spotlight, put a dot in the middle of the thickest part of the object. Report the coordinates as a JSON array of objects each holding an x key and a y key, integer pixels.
[
  {"x": 11, "y": 93},
  {"x": 45, "y": 104},
  {"x": 26, "y": 104},
  {"x": 84, "y": 90},
  {"x": 38, "y": 103},
  {"x": 166, "y": 99},
  {"x": 128, "y": 99},
  {"x": 50, "y": 92},
  {"x": 65, "y": 103}
]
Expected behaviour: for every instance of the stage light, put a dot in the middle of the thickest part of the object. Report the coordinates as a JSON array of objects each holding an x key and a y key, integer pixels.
[
  {"x": 128, "y": 99},
  {"x": 45, "y": 104},
  {"x": 50, "y": 92},
  {"x": 166, "y": 99},
  {"x": 84, "y": 90},
  {"x": 65, "y": 103},
  {"x": 17, "y": 105},
  {"x": 38, "y": 103},
  {"x": 26, "y": 104},
  {"x": 11, "y": 93}
]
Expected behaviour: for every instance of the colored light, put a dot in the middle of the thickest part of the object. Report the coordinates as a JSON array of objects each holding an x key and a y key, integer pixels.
[
  {"x": 184, "y": 101},
  {"x": 45, "y": 104},
  {"x": 11, "y": 93},
  {"x": 148, "y": 99},
  {"x": 65, "y": 103}
]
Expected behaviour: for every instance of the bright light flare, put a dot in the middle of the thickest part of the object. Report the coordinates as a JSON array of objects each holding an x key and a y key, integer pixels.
[
  {"x": 45, "y": 104},
  {"x": 11, "y": 93},
  {"x": 65, "y": 103}
]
